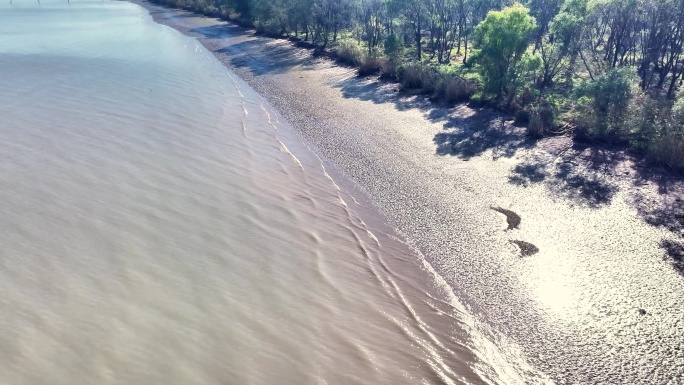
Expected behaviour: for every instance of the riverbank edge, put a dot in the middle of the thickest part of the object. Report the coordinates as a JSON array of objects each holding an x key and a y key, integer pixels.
[{"x": 452, "y": 91}]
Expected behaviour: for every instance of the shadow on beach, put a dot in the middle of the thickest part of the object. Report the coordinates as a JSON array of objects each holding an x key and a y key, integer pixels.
[
  {"x": 674, "y": 253},
  {"x": 468, "y": 132},
  {"x": 586, "y": 175},
  {"x": 577, "y": 174},
  {"x": 279, "y": 58},
  {"x": 580, "y": 174}
]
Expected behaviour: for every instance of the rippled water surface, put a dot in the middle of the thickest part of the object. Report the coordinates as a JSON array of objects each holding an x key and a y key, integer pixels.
[{"x": 161, "y": 226}]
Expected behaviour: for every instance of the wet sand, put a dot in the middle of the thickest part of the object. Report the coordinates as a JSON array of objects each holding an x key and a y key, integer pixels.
[{"x": 557, "y": 248}]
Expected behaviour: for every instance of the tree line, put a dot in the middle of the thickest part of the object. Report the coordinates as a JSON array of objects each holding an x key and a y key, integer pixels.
[{"x": 605, "y": 70}]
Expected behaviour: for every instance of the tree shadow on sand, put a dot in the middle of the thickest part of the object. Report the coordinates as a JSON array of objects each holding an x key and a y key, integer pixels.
[
  {"x": 470, "y": 140},
  {"x": 278, "y": 57},
  {"x": 660, "y": 198},
  {"x": 587, "y": 175},
  {"x": 468, "y": 132},
  {"x": 592, "y": 175},
  {"x": 580, "y": 174},
  {"x": 674, "y": 254},
  {"x": 379, "y": 92},
  {"x": 660, "y": 201}
]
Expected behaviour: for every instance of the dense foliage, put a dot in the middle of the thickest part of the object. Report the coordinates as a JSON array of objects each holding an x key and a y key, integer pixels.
[{"x": 604, "y": 70}]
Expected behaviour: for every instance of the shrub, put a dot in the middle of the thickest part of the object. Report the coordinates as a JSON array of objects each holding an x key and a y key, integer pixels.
[
  {"x": 678, "y": 112},
  {"x": 522, "y": 116},
  {"x": 198, "y": 6},
  {"x": 371, "y": 65},
  {"x": 417, "y": 76},
  {"x": 389, "y": 70},
  {"x": 662, "y": 125},
  {"x": 212, "y": 11},
  {"x": 270, "y": 28},
  {"x": 410, "y": 76},
  {"x": 541, "y": 116},
  {"x": 349, "y": 52},
  {"x": 669, "y": 150},
  {"x": 454, "y": 89},
  {"x": 541, "y": 121},
  {"x": 604, "y": 104}
]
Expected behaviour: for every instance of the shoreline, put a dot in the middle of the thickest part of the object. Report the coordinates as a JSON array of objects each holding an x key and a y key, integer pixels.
[
  {"x": 471, "y": 164},
  {"x": 639, "y": 158}
]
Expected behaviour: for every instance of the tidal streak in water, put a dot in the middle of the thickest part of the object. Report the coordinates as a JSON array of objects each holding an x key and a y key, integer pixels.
[{"x": 160, "y": 226}]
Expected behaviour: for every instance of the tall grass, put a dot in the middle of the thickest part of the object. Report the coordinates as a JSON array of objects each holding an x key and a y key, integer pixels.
[
  {"x": 349, "y": 52},
  {"x": 417, "y": 76},
  {"x": 444, "y": 86},
  {"x": 668, "y": 150},
  {"x": 371, "y": 65},
  {"x": 454, "y": 89}
]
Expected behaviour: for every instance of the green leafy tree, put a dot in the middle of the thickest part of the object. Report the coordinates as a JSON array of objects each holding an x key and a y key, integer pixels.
[
  {"x": 560, "y": 47},
  {"x": 522, "y": 75},
  {"x": 501, "y": 39},
  {"x": 414, "y": 15},
  {"x": 394, "y": 46}
]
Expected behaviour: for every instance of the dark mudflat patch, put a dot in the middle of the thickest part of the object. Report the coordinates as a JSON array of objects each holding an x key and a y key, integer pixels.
[
  {"x": 512, "y": 218},
  {"x": 526, "y": 248}
]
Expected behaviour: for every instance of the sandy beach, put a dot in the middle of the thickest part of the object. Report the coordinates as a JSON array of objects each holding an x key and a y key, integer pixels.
[{"x": 560, "y": 249}]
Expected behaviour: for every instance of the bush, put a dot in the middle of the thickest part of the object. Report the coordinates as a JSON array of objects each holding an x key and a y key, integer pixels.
[
  {"x": 212, "y": 11},
  {"x": 410, "y": 76},
  {"x": 522, "y": 117},
  {"x": 604, "y": 104},
  {"x": 389, "y": 70},
  {"x": 371, "y": 65},
  {"x": 662, "y": 127},
  {"x": 270, "y": 28},
  {"x": 417, "y": 76},
  {"x": 668, "y": 150},
  {"x": 454, "y": 89},
  {"x": 678, "y": 112},
  {"x": 349, "y": 52},
  {"x": 541, "y": 116},
  {"x": 541, "y": 121},
  {"x": 197, "y": 6}
]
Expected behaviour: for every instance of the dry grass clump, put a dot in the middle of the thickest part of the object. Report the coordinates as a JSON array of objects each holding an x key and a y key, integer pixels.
[
  {"x": 541, "y": 121},
  {"x": 389, "y": 70},
  {"x": 668, "y": 150},
  {"x": 443, "y": 86},
  {"x": 416, "y": 76},
  {"x": 536, "y": 126},
  {"x": 349, "y": 52},
  {"x": 371, "y": 65},
  {"x": 454, "y": 89}
]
